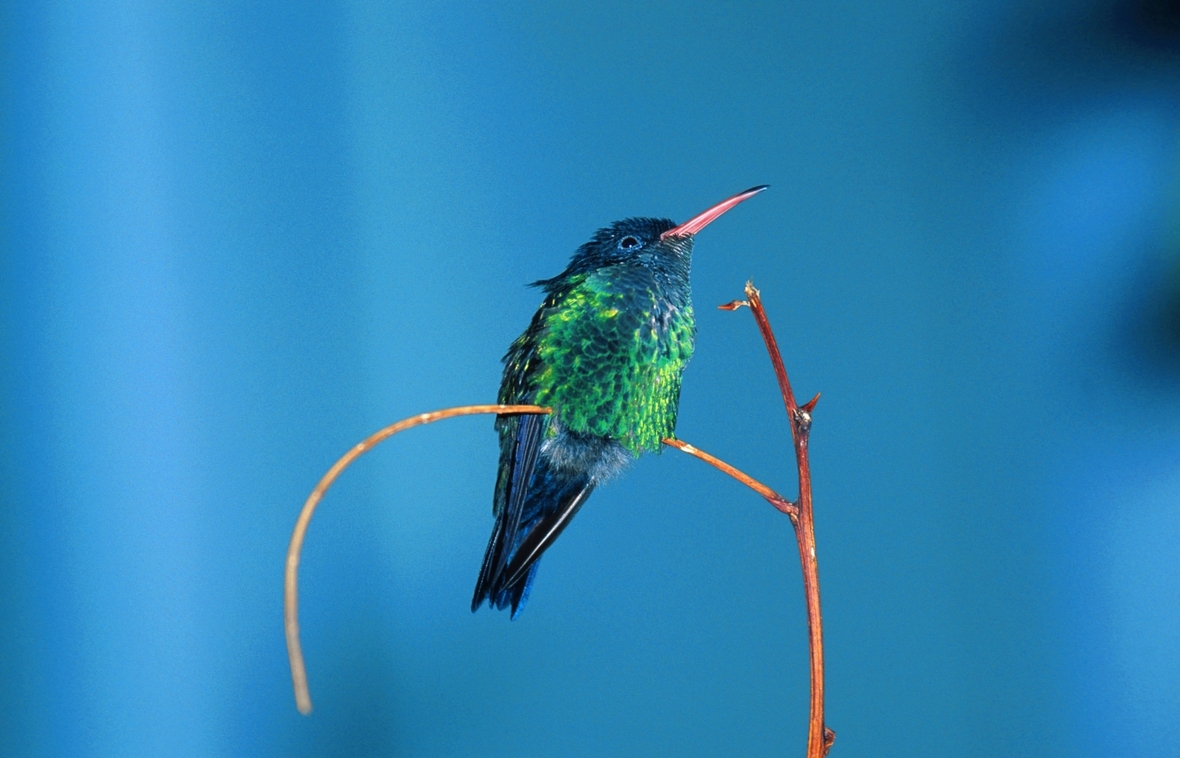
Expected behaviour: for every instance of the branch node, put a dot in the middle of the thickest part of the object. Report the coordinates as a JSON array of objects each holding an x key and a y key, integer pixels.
[{"x": 829, "y": 739}]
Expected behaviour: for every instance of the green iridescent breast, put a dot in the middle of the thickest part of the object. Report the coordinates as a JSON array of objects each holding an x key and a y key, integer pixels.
[{"x": 607, "y": 354}]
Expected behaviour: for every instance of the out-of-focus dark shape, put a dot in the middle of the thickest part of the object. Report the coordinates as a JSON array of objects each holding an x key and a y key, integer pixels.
[
  {"x": 1057, "y": 66},
  {"x": 1153, "y": 326},
  {"x": 1152, "y": 23}
]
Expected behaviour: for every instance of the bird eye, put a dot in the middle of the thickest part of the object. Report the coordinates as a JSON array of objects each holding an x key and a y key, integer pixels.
[{"x": 629, "y": 243}]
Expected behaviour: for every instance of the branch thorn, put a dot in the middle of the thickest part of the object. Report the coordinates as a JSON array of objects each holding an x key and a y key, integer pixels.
[
  {"x": 809, "y": 406},
  {"x": 733, "y": 306}
]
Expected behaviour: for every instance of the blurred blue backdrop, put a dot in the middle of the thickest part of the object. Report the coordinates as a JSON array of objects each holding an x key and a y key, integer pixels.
[{"x": 238, "y": 237}]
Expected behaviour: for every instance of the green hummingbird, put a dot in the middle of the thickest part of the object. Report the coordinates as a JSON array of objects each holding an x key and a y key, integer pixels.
[{"x": 605, "y": 351}]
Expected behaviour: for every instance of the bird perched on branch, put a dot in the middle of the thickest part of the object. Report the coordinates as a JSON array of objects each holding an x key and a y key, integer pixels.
[{"x": 605, "y": 351}]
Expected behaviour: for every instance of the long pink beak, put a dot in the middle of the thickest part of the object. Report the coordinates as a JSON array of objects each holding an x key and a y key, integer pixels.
[{"x": 701, "y": 220}]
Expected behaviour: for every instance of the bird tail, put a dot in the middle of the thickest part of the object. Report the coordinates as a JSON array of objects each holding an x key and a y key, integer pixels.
[{"x": 519, "y": 539}]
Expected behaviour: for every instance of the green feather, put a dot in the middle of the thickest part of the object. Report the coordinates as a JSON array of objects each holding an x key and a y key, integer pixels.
[{"x": 607, "y": 357}]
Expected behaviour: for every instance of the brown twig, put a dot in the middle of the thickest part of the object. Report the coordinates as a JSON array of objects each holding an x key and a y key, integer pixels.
[
  {"x": 772, "y": 497},
  {"x": 291, "y": 577},
  {"x": 819, "y": 737}
]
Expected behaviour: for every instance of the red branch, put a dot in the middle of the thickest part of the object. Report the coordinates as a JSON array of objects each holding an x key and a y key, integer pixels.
[{"x": 819, "y": 737}]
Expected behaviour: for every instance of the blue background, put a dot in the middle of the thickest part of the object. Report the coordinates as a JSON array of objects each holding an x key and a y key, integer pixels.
[{"x": 237, "y": 239}]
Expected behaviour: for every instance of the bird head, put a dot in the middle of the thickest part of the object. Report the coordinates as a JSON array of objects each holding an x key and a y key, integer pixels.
[{"x": 650, "y": 241}]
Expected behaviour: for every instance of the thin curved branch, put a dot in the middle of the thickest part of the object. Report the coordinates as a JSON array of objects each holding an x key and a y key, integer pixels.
[{"x": 291, "y": 577}]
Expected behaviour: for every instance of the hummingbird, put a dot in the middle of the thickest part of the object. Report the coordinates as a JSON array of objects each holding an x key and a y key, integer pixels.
[{"x": 605, "y": 351}]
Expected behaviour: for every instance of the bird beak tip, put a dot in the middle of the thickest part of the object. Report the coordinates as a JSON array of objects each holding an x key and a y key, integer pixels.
[{"x": 701, "y": 220}]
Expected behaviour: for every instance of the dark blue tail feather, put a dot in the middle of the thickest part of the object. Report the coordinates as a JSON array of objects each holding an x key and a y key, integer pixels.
[{"x": 548, "y": 498}]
